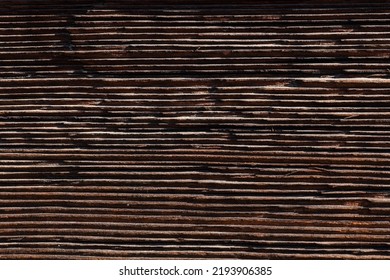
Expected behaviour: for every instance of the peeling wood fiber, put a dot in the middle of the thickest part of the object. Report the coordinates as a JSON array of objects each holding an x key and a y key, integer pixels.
[{"x": 194, "y": 129}]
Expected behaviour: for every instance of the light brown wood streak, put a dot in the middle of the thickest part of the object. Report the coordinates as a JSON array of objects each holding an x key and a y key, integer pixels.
[{"x": 194, "y": 129}]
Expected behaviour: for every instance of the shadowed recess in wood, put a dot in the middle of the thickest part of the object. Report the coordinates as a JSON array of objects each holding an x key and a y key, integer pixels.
[{"x": 194, "y": 129}]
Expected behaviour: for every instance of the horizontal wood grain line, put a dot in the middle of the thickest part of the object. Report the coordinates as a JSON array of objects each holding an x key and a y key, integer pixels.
[{"x": 181, "y": 129}]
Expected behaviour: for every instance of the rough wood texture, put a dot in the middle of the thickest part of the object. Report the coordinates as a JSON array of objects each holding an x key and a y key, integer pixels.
[{"x": 136, "y": 129}]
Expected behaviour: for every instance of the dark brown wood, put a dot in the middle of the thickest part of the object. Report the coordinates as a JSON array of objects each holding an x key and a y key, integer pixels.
[{"x": 194, "y": 129}]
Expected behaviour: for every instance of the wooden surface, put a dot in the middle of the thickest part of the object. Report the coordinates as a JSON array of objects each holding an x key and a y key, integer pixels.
[{"x": 132, "y": 129}]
